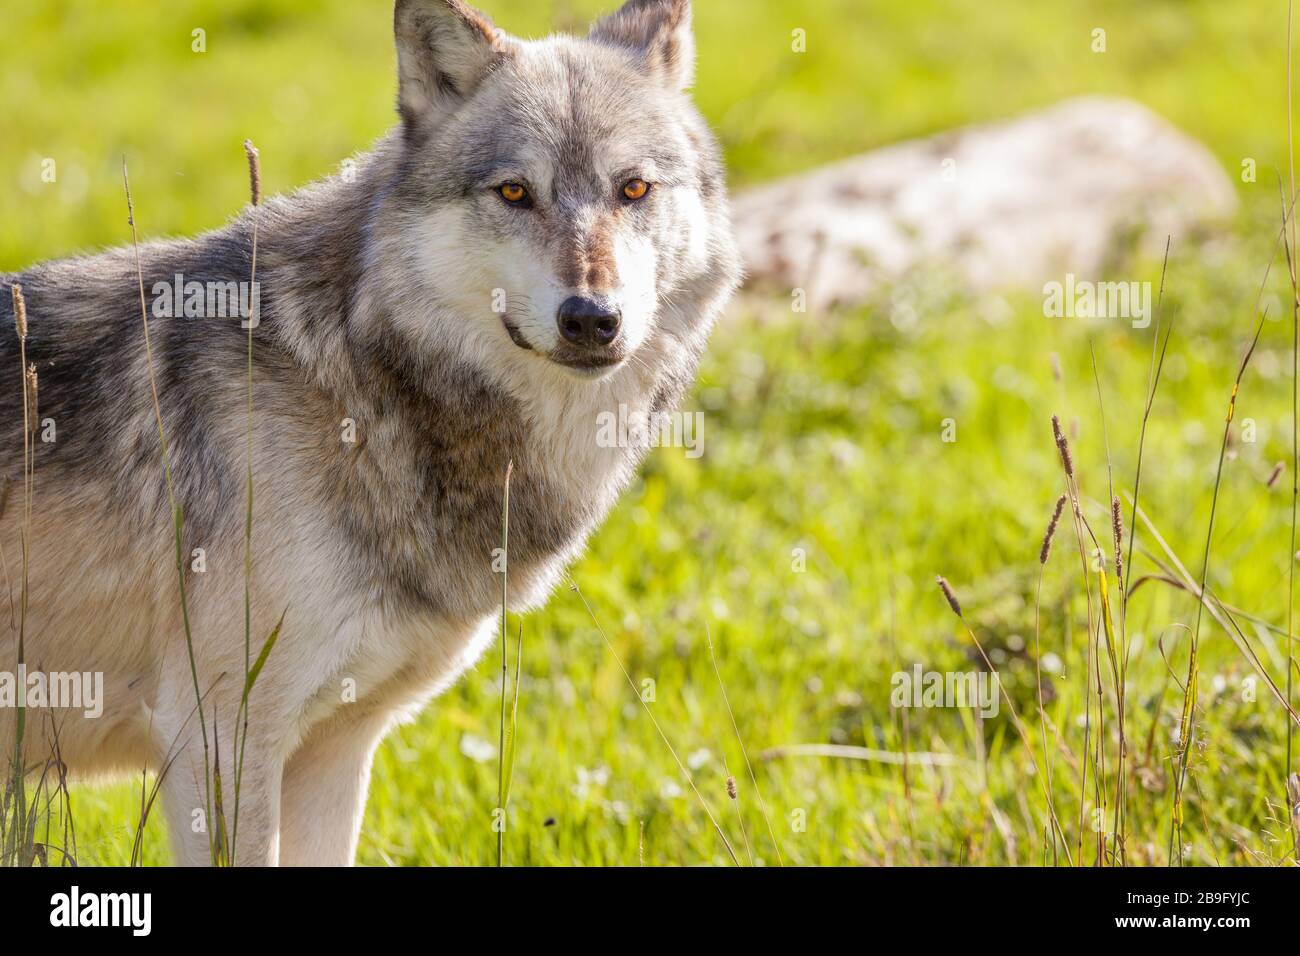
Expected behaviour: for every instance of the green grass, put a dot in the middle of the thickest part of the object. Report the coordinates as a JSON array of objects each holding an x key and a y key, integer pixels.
[{"x": 822, "y": 433}]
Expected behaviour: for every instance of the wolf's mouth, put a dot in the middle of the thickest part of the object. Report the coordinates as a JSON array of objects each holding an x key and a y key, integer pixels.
[
  {"x": 580, "y": 362},
  {"x": 515, "y": 335},
  {"x": 590, "y": 364},
  {"x": 587, "y": 365}
]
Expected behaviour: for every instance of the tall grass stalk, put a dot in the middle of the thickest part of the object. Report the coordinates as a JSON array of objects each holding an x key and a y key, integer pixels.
[
  {"x": 1176, "y": 575},
  {"x": 1153, "y": 384},
  {"x": 733, "y": 794},
  {"x": 951, "y": 597},
  {"x": 1295, "y": 410},
  {"x": 251, "y": 320},
  {"x": 658, "y": 729},
  {"x": 744, "y": 752},
  {"x": 18, "y": 846},
  {"x": 1044, "y": 554},
  {"x": 1114, "y": 653},
  {"x": 503, "y": 773},
  {"x": 1159, "y": 349},
  {"x": 21, "y": 814},
  {"x": 1090, "y": 740},
  {"x": 148, "y": 797},
  {"x": 1187, "y": 722},
  {"x": 178, "y": 517}
]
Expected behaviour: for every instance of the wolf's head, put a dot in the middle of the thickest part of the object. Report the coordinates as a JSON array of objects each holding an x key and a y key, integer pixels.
[{"x": 559, "y": 200}]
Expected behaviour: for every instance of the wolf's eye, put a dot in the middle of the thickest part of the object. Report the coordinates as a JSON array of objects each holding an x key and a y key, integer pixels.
[
  {"x": 514, "y": 194},
  {"x": 635, "y": 189}
]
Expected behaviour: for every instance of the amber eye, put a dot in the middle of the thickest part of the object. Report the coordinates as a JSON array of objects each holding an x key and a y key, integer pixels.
[
  {"x": 635, "y": 189},
  {"x": 514, "y": 194}
]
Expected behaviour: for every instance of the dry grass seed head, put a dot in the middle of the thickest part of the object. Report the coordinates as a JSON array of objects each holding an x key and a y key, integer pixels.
[
  {"x": 948, "y": 594},
  {"x": 1063, "y": 446},
  {"x": 1117, "y": 532},
  {"x": 20, "y": 309},
  {"x": 254, "y": 172},
  {"x": 1045, "y": 551}
]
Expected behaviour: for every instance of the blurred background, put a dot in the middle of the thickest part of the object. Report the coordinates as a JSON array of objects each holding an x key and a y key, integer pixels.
[{"x": 807, "y": 538}]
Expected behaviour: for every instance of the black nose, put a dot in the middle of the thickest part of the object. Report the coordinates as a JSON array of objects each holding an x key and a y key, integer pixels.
[{"x": 587, "y": 322}]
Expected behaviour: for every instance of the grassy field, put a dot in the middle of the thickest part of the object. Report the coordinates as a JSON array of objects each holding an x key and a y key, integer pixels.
[{"x": 823, "y": 439}]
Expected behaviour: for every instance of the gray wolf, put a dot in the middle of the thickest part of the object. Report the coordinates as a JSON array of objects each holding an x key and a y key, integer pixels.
[{"x": 543, "y": 236}]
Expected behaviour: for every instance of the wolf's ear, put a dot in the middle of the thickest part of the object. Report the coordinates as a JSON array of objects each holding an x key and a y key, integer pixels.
[
  {"x": 444, "y": 49},
  {"x": 659, "y": 33}
]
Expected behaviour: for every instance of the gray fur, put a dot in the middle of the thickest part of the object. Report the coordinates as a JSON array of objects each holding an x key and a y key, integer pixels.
[{"x": 366, "y": 544}]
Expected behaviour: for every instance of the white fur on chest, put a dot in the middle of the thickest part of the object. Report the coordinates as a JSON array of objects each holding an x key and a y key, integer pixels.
[
  {"x": 399, "y": 664},
  {"x": 396, "y": 666}
]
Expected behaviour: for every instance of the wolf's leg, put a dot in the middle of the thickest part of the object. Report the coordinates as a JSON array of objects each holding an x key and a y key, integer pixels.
[
  {"x": 323, "y": 797},
  {"x": 189, "y": 792},
  {"x": 185, "y": 796}
]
